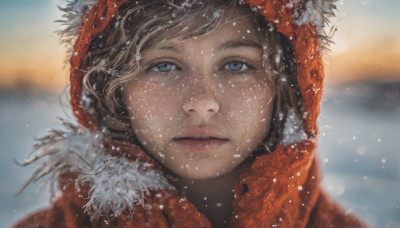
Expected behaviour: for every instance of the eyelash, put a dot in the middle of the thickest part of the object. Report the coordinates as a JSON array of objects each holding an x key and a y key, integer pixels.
[
  {"x": 250, "y": 67},
  {"x": 152, "y": 66}
]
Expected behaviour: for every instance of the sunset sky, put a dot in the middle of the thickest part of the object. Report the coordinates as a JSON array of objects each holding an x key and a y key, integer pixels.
[{"x": 367, "y": 43}]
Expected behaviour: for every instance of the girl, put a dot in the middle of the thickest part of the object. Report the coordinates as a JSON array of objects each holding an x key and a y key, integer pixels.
[{"x": 192, "y": 114}]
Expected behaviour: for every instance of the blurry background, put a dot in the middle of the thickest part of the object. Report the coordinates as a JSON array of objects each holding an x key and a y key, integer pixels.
[{"x": 359, "y": 121}]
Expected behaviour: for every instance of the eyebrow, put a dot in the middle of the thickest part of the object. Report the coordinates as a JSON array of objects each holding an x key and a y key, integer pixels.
[{"x": 237, "y": 44}]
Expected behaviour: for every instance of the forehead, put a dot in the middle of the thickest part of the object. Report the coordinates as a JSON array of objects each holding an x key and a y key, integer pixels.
[
  {"x": 237, "y": 23},
  {"x": 229, "y": 35}
]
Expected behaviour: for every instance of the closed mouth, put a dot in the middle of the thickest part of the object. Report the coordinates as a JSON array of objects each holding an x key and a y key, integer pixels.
[
  {"x": 198, "y": 138},
  {"x": 200, "y": 144}
]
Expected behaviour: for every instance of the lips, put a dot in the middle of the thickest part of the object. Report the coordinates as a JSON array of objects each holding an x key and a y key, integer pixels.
[{"x": 200, "y": 140}]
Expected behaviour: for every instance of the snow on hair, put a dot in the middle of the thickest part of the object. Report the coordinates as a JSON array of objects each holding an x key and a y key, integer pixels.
[{"x": 115, "y": 184}]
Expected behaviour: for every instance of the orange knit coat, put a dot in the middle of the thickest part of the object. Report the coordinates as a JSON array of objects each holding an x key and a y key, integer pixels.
[{"x": 282, "y": 189}]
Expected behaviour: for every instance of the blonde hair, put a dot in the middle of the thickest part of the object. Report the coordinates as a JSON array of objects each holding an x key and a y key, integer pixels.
[{"x": 114, "y": 55}]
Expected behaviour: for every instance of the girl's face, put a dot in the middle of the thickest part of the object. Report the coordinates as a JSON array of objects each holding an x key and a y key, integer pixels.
[{"x": 201, "y": 106}]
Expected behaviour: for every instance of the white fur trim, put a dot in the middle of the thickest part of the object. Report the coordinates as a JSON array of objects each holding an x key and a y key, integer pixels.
[
  {"x": 293, "y": 131},
  {"x": 74, "y": 13},
  {"x": 115, "y": 183},
  {"x": 316, "y": 12}
]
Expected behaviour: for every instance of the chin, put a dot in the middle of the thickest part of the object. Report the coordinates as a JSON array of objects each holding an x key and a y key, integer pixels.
[
  {"x": 204, "y": 171},
  {"x": 197, "y": 175}
]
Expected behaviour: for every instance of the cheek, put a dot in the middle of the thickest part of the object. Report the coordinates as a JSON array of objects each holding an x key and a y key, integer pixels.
[
  {"x": 253, "y": 102},
  {"x": 251, "y": 112},
  {"x": 152, "y": 110},
  {"x": 147, "y": 101}
]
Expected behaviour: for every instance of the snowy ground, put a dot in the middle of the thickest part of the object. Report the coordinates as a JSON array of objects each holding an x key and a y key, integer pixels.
[{"x": 359, "y": 149}]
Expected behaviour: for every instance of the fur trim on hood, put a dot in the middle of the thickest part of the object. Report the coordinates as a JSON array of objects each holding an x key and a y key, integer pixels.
[
  {"x": 74, "y": 14},
  {"x": 114, "y": 183}
]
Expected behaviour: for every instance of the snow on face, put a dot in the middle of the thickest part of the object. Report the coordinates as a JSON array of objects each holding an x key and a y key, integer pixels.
[{"x": 202, "y": 105}]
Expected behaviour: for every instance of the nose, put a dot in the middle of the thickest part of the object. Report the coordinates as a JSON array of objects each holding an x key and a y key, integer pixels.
[{"x": 201, "y": 99}]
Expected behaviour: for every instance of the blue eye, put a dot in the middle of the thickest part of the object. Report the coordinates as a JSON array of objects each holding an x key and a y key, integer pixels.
[
  {"x": 164, "y": 67},
  {"x": 236, "y": 66}
]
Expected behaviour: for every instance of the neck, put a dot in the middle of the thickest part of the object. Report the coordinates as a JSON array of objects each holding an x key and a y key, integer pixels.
[{"x": 212, "y": 197}]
